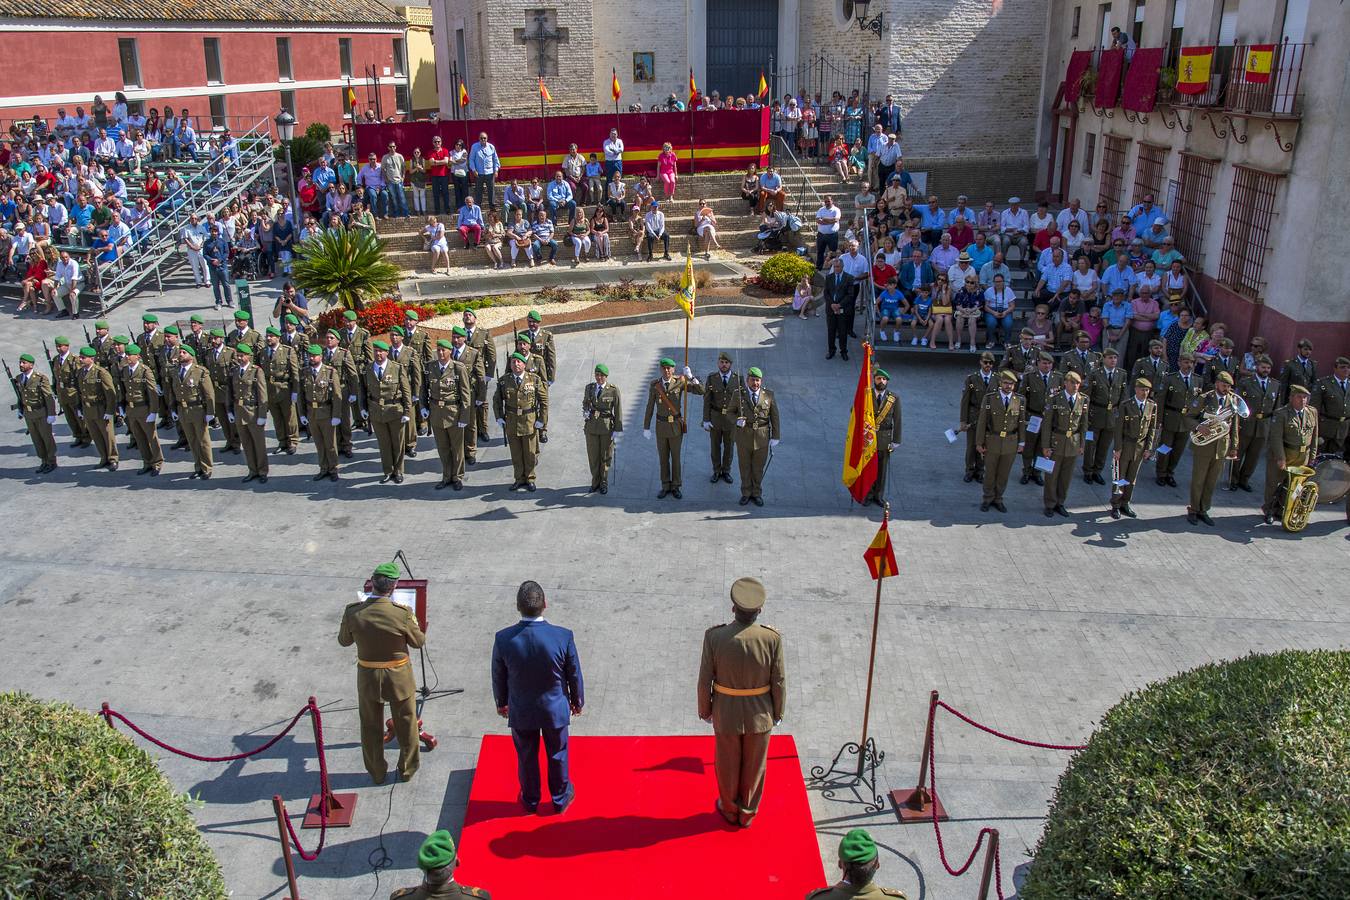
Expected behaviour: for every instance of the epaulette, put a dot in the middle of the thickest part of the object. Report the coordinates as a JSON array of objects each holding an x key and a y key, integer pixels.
[
  {"x": 472, "y": 891},
  {"x": 771, "y": 628},
  {"x": 819, "y": 892},
  {"x": 892, "y": 892},
  {"x": 401, "y": 892}
]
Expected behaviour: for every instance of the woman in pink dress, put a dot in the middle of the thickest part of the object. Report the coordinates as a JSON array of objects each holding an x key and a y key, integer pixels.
[{"x": 665, "y": 170}]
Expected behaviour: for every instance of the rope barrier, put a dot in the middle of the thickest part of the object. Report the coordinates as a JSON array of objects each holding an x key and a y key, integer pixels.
[{"x": 316, "y": 718}]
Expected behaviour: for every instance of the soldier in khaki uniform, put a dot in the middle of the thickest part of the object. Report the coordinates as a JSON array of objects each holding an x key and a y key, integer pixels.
[
  {"x": 1000, "y": 435},
  {"x": 976, "y": 385},
  {"x": 858, "y": 863},
  {"x": 37, "y": 408},
  {"x": 664, "y": 398},
  {"x": 195, "y": 402},
  {"x": 473, "y": 362},
  {"x": 1037, "y": 387},
  {"x": 1181, "y": 391},
  {"x": 742, "y": 691},
  {"x": 1331, "y": 398},
  {"x": 65, "y": 369},
  {"x": 1106, "y": 388},
  {"x": 437, "y": 859},
  {"x": 1207, "y": 461},
  {"x": 1262, "y": 395},
  {"x": 164, "y": 370},
  {"x": 197, "y": 337},
  {"x": 388, "y": 407},
  {"x": 98, "y": 404},
  {"x": 151, "y": 342},
  {"x": 1082, "y": 358},
  {"x": 419, "y": 342},
  {"x": 291, "y": 335},
  {"x": 1224, "y": 361},
  {"x": 140, "y": 400},
  {"x": 757, "y": 433},
  {"x": 102, "y": 342},
  {"x": 886, "y": 414},
  {"x": 411, "y": 363},
  {"x": 281, "y": 365},
  {"x": 1135, "y": 435},
  {"x": 533, "y": 361},
  {"x": 244, "y": 333},
  {"x": 1153, "y": 367},
  {"x": 541, "y": 343},
  {"x": 221, "y": 361},
  {"x": 480, "y": 340},
  {"x": 719, "y": 399},
  {"x": 342, "y": 362},
  {"x": 1293, "y": 442},
  {"x": 321, "y": 402},
  {"x": 247, "y": 402},
  {"x": 1061, "y": 440},
  {"x": 521, "y": 408},
  {"x": 356, "y": 341},
  {"x": 447, "y": 405},
  {"x": 1301, "y": 370},
  {"x": 602, "y": 419},
  {"x": 383, "y": 631},
  {"x": 1021, "y": 358}
]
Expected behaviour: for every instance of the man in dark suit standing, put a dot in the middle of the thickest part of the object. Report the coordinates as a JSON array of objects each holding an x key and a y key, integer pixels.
[
  {"x": 889, "y": 115},
  {"x": 536, "y": 681},
  {"x": 839, "y": 298}
]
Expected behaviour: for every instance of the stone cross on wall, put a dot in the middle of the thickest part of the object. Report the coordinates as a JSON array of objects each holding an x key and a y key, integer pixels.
[{"x": 544, "y": 34}]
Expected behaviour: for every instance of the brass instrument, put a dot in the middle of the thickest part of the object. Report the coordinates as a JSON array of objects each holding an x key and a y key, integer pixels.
[
  {"x": 1212, "y": 427},
  {"x": 1116, "y": 489},
  {"x": 1300, "y": 497}
]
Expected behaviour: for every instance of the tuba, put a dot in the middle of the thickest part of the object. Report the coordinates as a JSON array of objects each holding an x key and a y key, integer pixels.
[
  {"x": 1300, "y": 497},
  {"x": 1212, "y": 427}
]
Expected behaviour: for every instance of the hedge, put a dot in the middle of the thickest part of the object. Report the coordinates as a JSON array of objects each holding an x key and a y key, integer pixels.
[
  {"x": 1228, "y": 781},
  {"x": 84, "y": 812},
  {"x": 781, "y": 272}
]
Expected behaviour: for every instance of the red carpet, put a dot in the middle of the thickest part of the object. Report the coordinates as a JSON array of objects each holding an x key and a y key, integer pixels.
[{"x": 642, "y": 825}]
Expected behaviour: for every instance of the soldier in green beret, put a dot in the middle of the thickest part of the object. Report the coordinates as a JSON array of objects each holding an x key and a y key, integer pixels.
[
  {"x": 437, "y": 858},
  {"x": 757, "y": 433},
  {"x": 541, "y": 343},
  {"x": 247, "y": 404},
  {"x": 521, "y": 408},
  {"x": 165, "y": 370},
  {"x": 720, "y": 390},
  {"x": 291, "y": 336},
  {"x": 475, "y": 364},
  {"x": 411, "y": 361},
  {"x": 602, "y": 419},
  {"x": 151, "y": 342},
  {"x": 342, "y": 360},
  {"x": 447, "y": 404},
  {"x": 195, "y": 405},
  {"x": 858, "y": 863},
  {"x": 480, "y": 340},
  {"x": 388, "y": 406},
  {"x": 1000, "y": 435},
  {"x": 383, "y": 631},
  {"x": 281, "y": 365},
  {"x": 1293, "y": 442},
  {"x": 221, "y": 361},
  {"x": 533, "y": 361},
  {"x": 37, "y": 408},
  {"x": 1038, "y": 387},
  {"x": 321, "y": 402},
  {"x": 140, "y": 401},
  {"x": 664, "y": 396},
  {"x": 198, "y": 338},
  {"x": 886, "y": 412},
  {"x": 100, "y": 341},
  {"x": 98, "y": 404},
  {"x": 1135, "y": 437},
  {"x": 65, "y": 369},
  {"x": 243, "y": 333},
  {"x": 1207, "y": 460}
]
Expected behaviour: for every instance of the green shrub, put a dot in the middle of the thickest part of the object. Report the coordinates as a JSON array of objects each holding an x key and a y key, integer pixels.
[
  {"x": 305, "y": 151},
  {"x": 348, "y": 268},
  {"x": 318, "y": 131},
  {"x": 555, "y": 294},
  {"x": 84, "y": 812},
  {"x": 781, "y": 272},
  {"x": 627, "y": 289},
  {"x": 1228, "y": 781},
  {"x": 448, "y": 307}
]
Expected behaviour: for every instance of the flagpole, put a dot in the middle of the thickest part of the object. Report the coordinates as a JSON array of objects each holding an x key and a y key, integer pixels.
[
  {"x": 685, "y": 394},
  {"x": 543, "y": 124},
  {"x": 871, "y": 666}
]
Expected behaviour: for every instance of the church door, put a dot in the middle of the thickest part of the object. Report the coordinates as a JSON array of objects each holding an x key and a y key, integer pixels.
[{"x": 742, "y": 37}]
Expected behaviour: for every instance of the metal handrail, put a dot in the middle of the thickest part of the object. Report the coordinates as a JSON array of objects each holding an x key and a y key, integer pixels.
[{"x": 804, "y": 178}]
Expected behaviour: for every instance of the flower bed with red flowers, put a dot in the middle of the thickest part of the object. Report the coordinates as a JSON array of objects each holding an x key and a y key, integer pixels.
[{"x": 377, "y": 318}]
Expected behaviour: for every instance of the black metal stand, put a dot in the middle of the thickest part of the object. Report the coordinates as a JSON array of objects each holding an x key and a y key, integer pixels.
[
  {"x": 424, "y": 692},
  {"x": 834, "y": 779}
]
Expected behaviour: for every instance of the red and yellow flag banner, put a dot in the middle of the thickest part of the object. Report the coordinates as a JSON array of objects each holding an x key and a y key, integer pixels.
[
  {"x": 1193, "y": 69},
  {"x": 614, "y": 90},
  {"x": 880, "y": 554},
  {"x": 1260, "y": 58},
  {"x": 463, "y": 94},
  {"x": 693, "y": 88},
  {"x": 763, "y": 87},
  {"x": 860, "y": 445},
  {"x": 543, "y": 90}
]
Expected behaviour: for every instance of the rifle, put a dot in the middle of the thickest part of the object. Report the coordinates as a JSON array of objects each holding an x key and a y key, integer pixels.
[{"x": 18, "y": 394}]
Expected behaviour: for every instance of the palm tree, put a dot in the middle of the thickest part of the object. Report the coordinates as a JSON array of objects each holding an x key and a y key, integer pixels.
[{"x": 347, "y": 267}]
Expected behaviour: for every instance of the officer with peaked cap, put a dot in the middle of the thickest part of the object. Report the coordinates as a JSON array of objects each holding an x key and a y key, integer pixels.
[{"x": 438, "y": 859}]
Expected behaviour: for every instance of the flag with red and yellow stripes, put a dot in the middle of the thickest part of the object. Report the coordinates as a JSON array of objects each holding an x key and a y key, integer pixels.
[
  {"x": 763, "y": 87},
  {"x": 543, "y": 91},
  {"x": 463, "y": 94},
  {"x": 693, "y": 88},
  {"x": 614, "y": 90},
  {"x": 860, "y": 445},
  {"x": 880, "y": 554}
]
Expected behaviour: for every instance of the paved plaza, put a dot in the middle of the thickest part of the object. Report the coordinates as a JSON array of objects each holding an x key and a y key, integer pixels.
[{"x": 207, "y": 613}]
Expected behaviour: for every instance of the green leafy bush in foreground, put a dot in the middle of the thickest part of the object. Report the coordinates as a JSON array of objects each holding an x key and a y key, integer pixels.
[{"x": 781, "y": 272}]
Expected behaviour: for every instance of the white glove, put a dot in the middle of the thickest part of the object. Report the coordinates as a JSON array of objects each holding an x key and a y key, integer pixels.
[
  {"x": 647, "y": 433},
  {"x": 351, "y": 399},
  {"x": 688, "y": 373},
  {"x": 20, "y": 415},
  {"x": 229, "y": 416},
  {"x": 426, "y": 413},
  {"x": 159, "y": 391},
  {"x": 489, "y": 377},
  {"x": 294, "y": 396},
  {"x": 707, "y": 426},
  {"x": 51, "y": 420},
  {"x": 335, "y": 421},
  {"x": 550, "y": 384},
  {"x": 262, "y": 421},
  {"x": 403, "y": 419},
  {"x": 539, "y": 425},
  {"x": 210, "y": 419},
  {"x": 79, "y": 413},
  {"x": 365, "y": 414},
  {"x": 478, "y": 403},
  {"x": 304, "y": 420},
  {"x": 150, "y": 419},
  {"x": 773, "y": 442},
  {"x": 501, "y": 422},
  {"x": 107, "y": 417},
  {"x": 174, "y": 415},
  {"x": 890, "y": 448},
  {"x": 740, "y": 423},
  {"x": 121, "y": 411},
  {"x": 461, "y": 424}
]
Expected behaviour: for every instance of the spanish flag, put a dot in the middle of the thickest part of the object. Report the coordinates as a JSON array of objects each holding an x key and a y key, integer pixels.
[
  {"x": 763, "y": 87},
  {"x": 860, "y": 445},
  {"x": 351, "y": 97},
  {"x": 1259, "y": 60},
  {"x": 463, "y": 93},
  {"x": 880, "y": 554},
  {"x": 687, "y": 288},
  {"x": 693, "y": 88},
  {"x": 1193, "y": 69},
  {"x": 614, "y": 90},
  {"x": 543, "y": 90}
]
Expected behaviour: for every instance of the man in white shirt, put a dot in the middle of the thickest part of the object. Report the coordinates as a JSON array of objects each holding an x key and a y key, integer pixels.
[
  {"x": 192, "y": 237},
  {"x": 654, "y": 229},
  {"x": 1013, "y": 225},
  {"x": 827, "y": 230},
  {"x": 859, "y": 269},
  {"x": 105, "y": 148},
  {"x": 1074, "y": 212},
  {"x": 68, "y": 283},
  {"x": 613, "y": 148}
]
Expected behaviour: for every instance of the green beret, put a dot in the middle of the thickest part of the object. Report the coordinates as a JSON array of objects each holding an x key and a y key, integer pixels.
[
  {"x": 134, "y": 350},
  {"x": 272, "y": 330},
  {"x": 380, "y": 345},
  {"x": 437, "y": 851},
  {"x": 748, "y": 594},
  {"x": 196, "y": 319},
  {"x": 246, "y": 349},
  {"x": 1225, "y": 377},
  {"x": 755, "y": 371},
  {"x": 459, "y": 330},
  {"x": 724, "y": 355},
  {"x": 315, "y": 350},
  {"x": 350, "y": 315},
  {"x": 290, "y": 319},
  {"x": 602, "y": 369},
  {"x": 442, "y": 342},
  {"x": 397, "y": 330},
  {"x": 217, "y": 332},
  {"x": 1027, "y": 332},
  {"x": 241, "y": 316},
  {"x": 883, "y": 373},
  {"x": 388, "y": 570},
  {"x": 667, "y": 361},
  {"x": 534, "y": 316},
  {"x": 151, "y": 318},
  {"x": 857, "y": 847},
  {"x": 189, "y": 351},
  {"x": 26, "y": 357},
  {"x": 61, "y": 341},
  {"x": 1144, "y": 383},
  {"x": 335, "y": 333},
  {"x": 524, "y": 336},
  {"x": 411, "y": 315},
  {"x": 172, "y": 329},
  {"x": 88, "y": 351},
  {"x": 101, "y": 324},
  {"x": 1298, "y": 389},
  {"x": 122, "y": 339},
  {"x": 519, "y": 356}
]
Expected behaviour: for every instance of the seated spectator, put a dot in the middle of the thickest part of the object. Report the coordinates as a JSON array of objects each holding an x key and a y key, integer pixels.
[
  {"x": 857, "y": 159},
  {"x": 995, "y": 266},
  {"x": 616, "y": 195},
  {"x": 1056, "y": 280},
  {"x": 543, "y": 238},
  {"x": 1196, "y": 335},
  {"x": 1124, "y": 231},
  {"x": 1075, "y": 241},
  {"x": 494, "y": 234},
  {"x": 534, "y": 197},
  {"x": 642, "y": 194},
  {"x": 964, "y": 266},
  {"x": 1255, "y": 350},
  {"x": 962, "y": 234},
  {"x": 1039, "y": 221},
  {"x": 1093, "y": 327},
  {"x": 705, "y": 227},
  {"x": 361, "y": 218},
  {"x": 600, "y": 232},
  {"x": 436, "y": 244},
  {"x": 981, "y": 253},
  {"x": 999, "y": 306},
  {"x": 773, "y": 227},
  {"x": 863, "y": 202},
  {"x": 595, "y": 181},
  {"x": 38, "y": 283},
  {"x": 1137, "y": 255},
  {"x": 469, "y": 223},
  {"x": 1146, "y": 211},
  {"x": 559, "y": 196},
  {"x": 654, "y": 229},
  {"x": 580, "y": 237},
  {"x": 514, "y": 197},
  {"x": 838, "y": 155},
  {"x": 1170, "y": 314},
  {"x": 933, "y": 216},
  {"x": 1120, "y": 276},
  {"x": 521, "y": 238},
  {"x": 1014, "y": 226},
  {"x": 882, "y": 272},
  {"x": 1154, "y": 235},
  {"x": 1086, "y": 280},
  {"x": 750, "y": 187},
  {"x": 1144, "y": 315},
  {"x": 573, "y": 167},
  {"x": 339, "y": 202},
  {"x": 1074, "y": 212},
  {"x": 944, "y": 255},
  {"x": 1149, "y": 277},
  {"x": 1116, "y": 313},
  {"x": 1047, "y": 236},
  {"x": 922, "y": 311},
  {"x": 943, "y": 311},
  {"x": 891, "y": 309},
  {"x": 803, "y": 298},
  {"x": 1070, "y": 318},
  {"x": 1212, "y": 346},
  {"x": 967, "y": 307},
  {"x": 1045, "y": 257},
  {"x": 772, "y": 194},
  {"x": 1166, "y": 254}
]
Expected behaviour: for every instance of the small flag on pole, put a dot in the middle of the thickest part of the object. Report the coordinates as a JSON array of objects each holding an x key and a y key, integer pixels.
[
  {"x": 1259, "y": 60},
  {"x": 543, "y": 91},
  {"x": 1193, "y": 69},
  {"x": 693, "y": 88},
  {"x": 880, "y": 554},
  {"x": 686, "y": 296},
  {"x": 351, "y": 97},
  {"x": 763, "y": 87},
  {"x": 614, "y": 90},
  {"x": 860, "y": 445},
  {"x": 463, "y": 93}
]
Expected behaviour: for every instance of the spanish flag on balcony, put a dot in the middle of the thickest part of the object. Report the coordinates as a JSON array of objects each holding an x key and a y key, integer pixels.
[
  {"x": 860, "y": 445},
  {"x": 463, "y": 93},
  {"x": 880, "y": 554},
  {"x": 693, "y": 88},
  {"x": 543, "y": 91},
  {"x": 763, "y": 87},
  {"x": 1193, "y": 69},
  {"x": 1260, "y": 57}
]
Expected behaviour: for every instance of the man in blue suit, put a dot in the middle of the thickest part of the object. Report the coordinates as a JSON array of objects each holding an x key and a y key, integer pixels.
[{"x": 536, "y": 681}]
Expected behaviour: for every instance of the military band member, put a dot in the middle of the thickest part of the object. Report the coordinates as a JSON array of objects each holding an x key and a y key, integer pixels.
[
  {"x": 533, "y": 361},
  {"x": 411, "y": 362},
  {"x": 1106, "y": 388},
  {"x": 98, "y": 404},
  {"x": 757, "y": 433},
  {"x": 1262, "y": 396},
  {"x": 742, "y": 691},
  {"x": 1082, "y": 358},
  {"x": 1301, "y": 370},
  {"x": 37, "y": 408},
  {"x": 1135, "y": 434},
  {"x": 521, "y": 408},
  {"x": 65, "y": 382},
  {"x": 1224, "y": 361},
  {"x": 220, "y": 361},
  {"x": 664, "y": 397},
  {"x": 140, "y": 400},
  {"x": 1207, "y": 460},
  {"x": 281, "y": 365},
  {"x": 321, "y": 402},
  {"x": 976, "y": 385},
  {"x": 345, "y": 364},
  {"x": 1000, "y": 435},
  {"x": 478, "y": 377},
  {"x": 1292, "y": 442},
  {"x": 886, "y": 413},
  {"x": 195, "y": 402},
  {"x": 1152, "y": 367},
  {"x": 447, "y": 405},
  {"x": 437, "y": 860},
  {"x": 858, "y": 863},
  {"x": 541, "y": 343},
  {"x": 480, "y": 340},
  {"x": 356, "y": 341},
  {"x": 1037, "y": 388},
  {"x": 383, "y": 631},
  {"x": 246, "y": 397},
  {"x": 388, "y": 406},
  {"x": 719, "y": 400},
  {"x": 1061, "y": 440},
  {"x": 602, "y": 416},
  {"x": 1181, "y": 391},
  {"x": 1331, "y": 398},
  {"x": 1022, "y": 357}
]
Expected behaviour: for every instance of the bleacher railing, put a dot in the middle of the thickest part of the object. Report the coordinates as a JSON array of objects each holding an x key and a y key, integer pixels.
[{"x": 793, "y": 175}]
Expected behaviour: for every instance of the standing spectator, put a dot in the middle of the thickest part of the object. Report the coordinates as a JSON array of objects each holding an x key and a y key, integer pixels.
[
  {"x": 283, "y": 239},
  {"x": 889, "y": 114},
  {"x": 459, "y": 172},
  {"x": 1013, "y": 226},
  {"x": 437, "y": 246},
  {"x": 613, "y": 148},
  {"x": 392, "y": 167},
  {"x": 192, "y": 238},
  {"x": 543, "y": 237},
  {"x": 875, "y": 142},
  {"x": 654, "y": 229},
  {"x": 371, "y": 178},
  {"x": 888, "y": 158},
  {"x": 666, "y": 166},
  {"x": 827, "y": 230},
  {"x": 574, "y": 171},
  {"x": 417, "y": 179},
  {"x": 1116, "y": 315},
  {"x": 216, "y": 250},
  {"x": 470, "y": 223},
  {"x": 808, "y": 135},
  {"x": 485, "y": 164},
  {"x": 438, "y": 170},
  {"x": 1144, "y": 314},
  {"x": 750, "y": 187},
  {"x": 344, "y": 170}
]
